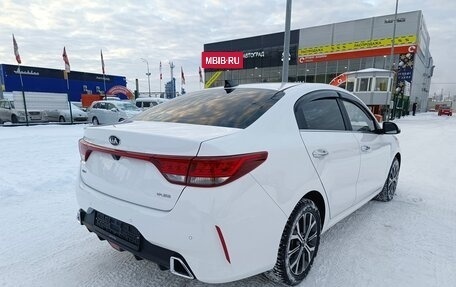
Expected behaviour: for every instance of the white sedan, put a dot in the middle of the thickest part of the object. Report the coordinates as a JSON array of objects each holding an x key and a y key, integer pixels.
[
  {"x": 111, "y": 111},
  {"x": 226, "y": 183}
]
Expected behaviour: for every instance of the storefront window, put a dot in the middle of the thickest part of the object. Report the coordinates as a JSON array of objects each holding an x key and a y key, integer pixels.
[
  {"x": 354, "y": 65},
  {"x": 310, "y": 72},
  {"x": 367, "y": 63},
  {"x": 321, "y": 72},
  {"x": 342, "y": 66}
]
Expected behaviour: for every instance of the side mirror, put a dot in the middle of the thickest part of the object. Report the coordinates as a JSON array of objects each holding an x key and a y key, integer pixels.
[
  {"x": 114, "y": 110},
  {"x": 390, "y": 128}
]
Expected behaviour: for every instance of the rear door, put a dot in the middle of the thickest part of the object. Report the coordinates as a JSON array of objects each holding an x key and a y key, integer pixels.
[
  {"x": 95, "y": 112},
  {"x": 112, "y": 113},
  {"x": 333, "y": 150},
  {"x": 101, "y": 112},
  {"x": 52, "y": 115}
]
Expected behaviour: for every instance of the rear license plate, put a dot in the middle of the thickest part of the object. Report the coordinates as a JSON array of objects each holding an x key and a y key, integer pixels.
[{"x": 118, "y": 229}]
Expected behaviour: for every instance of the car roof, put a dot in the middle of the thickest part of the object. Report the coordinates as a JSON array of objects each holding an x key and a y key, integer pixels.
[
  {"x": 269, "y": 86},
  {"x": 150, "y": 99},
  {"x": 284, "y": 86},
  {"x": 110, "y": 101}
]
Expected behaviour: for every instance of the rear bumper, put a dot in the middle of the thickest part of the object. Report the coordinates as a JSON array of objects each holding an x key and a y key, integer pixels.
[
  {"x": 145, "y": 250},
  {"x": 251, "y": 223}
]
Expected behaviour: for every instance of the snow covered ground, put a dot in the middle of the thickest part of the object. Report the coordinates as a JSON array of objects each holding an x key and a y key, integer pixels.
[{"x": 410, "y": 241}]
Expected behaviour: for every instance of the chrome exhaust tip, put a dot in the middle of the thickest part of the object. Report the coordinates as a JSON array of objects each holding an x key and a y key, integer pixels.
[{"x": 179, "y": 268}]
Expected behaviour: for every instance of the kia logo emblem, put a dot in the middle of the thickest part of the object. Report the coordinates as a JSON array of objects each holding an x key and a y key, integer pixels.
[{"x": 114, "y": 140}]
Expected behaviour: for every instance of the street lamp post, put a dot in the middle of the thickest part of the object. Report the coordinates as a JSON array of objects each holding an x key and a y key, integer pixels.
[
  {"x": 394, "y": 37},
  {"x": 286, "y": 43},
  {"x": 148, "y": 73},
  {"x": 392, "y": 92}
]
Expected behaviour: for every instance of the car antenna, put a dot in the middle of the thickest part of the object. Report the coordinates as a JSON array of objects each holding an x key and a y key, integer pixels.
[{"x": 229, "y": 84}]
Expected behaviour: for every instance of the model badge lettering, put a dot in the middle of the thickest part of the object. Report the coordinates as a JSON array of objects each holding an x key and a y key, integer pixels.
[{"x": 114, "y": 140}]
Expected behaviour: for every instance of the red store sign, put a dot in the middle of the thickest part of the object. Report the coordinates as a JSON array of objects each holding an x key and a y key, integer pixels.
[{"x": 222, "y": 60}]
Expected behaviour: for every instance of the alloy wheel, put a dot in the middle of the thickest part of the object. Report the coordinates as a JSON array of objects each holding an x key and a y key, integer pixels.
[
  {"x": 393, "y": 177},
  {"x": 302, "y": 243}
]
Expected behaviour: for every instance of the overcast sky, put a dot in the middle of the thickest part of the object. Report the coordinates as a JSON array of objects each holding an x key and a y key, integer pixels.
[{"x": 160, "y": 30}]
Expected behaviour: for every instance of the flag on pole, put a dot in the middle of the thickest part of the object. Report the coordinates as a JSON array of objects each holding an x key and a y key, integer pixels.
[
  {"x": 161, "y": 76},
  {"x": 102, "y": 62},
  {"x": 182, "y": 76},
  {"x": 200, "y": 74},
  {"x": 16, "y": 51},
  {"x": 65, "y": 59}
]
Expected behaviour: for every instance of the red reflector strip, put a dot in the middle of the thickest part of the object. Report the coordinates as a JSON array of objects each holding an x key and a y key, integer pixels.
[
  {"x": 84, "y": 150},
  {"x": 222, "y": 240}
]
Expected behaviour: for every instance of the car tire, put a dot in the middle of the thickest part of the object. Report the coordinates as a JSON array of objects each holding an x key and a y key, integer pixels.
[
  {"x": 298, "y": 248},
  {"x": 95, "y": 121},
  {"x": 14, "y": 119},
  {"x": 389, "y": 188},
  {"x": 61, "y": 119}
]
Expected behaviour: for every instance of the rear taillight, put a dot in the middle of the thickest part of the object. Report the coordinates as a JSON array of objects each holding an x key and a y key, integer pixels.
[
  {"x": 204, "y": 171},
  {"x": 207, "y": 171},
  {"x": 174, "y": 169},
  {"x": 213, "y": 171}
]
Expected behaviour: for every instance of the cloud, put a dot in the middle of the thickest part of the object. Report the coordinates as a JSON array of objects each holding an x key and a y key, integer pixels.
[{"x": 176, "y": 31}]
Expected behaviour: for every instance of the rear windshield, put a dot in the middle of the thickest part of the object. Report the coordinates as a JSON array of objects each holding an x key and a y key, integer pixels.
[
  {"x": 215, "y": 107},
  {"x": 127, "y": 106}
]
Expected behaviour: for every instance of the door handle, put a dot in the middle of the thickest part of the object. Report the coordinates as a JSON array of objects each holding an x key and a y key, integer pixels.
[
  {"x": 365, "y": 148},
  {"x": 319, "y": 153}
]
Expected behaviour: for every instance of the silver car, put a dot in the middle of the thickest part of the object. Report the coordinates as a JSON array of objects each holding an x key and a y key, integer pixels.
[
  {"x": 9, "y": 113},
  {"x": 65, "y": 116},
  {"x": 111, "y": 112}
]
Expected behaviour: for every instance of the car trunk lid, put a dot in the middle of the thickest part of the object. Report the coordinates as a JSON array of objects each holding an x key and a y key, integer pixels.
[{"x": 122, "y": 161}]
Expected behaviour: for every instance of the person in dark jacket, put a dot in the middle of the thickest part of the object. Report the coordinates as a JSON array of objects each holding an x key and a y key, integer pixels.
[{"x": 414, "y": 108}]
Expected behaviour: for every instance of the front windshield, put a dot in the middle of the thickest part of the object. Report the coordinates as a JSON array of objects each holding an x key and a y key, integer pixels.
[{"x": 74, "y": 107}]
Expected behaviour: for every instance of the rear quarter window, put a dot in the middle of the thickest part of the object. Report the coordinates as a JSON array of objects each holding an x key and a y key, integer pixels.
[{"x": 215, "y": 107}]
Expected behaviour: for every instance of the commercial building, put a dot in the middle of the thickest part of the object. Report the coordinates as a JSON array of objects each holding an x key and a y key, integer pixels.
[
  {"x": 320, "y": 54},
  {"x": 35, "y": 79}
]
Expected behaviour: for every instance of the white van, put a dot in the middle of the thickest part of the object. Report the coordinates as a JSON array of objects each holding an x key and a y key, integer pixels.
[{"x": 145, "y": 103}]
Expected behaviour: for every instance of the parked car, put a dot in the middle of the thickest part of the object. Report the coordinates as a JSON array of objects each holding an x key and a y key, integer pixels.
[
  {"x": 145, "y": 103},
  {"x": 9, "y": 113},
  {"x": 64, "y": 115},
  {"x": 111, "y": 111},
  {"x": 223, "y": 184},
  {"x": 445, "y": 110}
]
